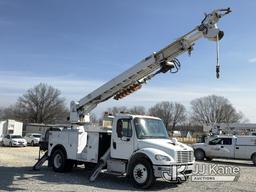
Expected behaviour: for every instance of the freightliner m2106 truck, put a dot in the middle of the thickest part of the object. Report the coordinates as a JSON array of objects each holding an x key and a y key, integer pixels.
[{"x": 134, "y": 146}]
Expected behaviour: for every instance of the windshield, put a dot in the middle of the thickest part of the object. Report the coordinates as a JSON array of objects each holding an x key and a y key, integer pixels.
[
  {"x": 16, "y": 137},
  {"x": 150, "y": 128},
  {"x": 37, "y": 136}
]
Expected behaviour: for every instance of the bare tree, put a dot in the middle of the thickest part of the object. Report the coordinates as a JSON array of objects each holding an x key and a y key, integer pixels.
[
  {"x": 41, "y": 104},
  {"x": 214, "y": 109},
  {"x": 137, "y": 110},
  {"x": 171, "y": 113},
  {"x": 10, "y": 112},
  {"x": 1, "y": 113},
  {"x": 115, "y": 110}
]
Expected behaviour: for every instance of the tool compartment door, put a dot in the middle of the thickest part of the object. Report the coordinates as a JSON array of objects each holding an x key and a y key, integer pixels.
[{"x": 92, "y": 147}]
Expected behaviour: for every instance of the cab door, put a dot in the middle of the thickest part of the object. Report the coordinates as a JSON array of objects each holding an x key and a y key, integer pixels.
[
  {"x": 122, "y": 142},
  {"x": 221, "y": 148}
]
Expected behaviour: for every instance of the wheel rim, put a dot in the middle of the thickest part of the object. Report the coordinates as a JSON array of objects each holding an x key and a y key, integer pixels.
[
  {"x": 140, "y": 173},
  {"x": 57, "y": 161},
  {"x": 199, "y": 155}
]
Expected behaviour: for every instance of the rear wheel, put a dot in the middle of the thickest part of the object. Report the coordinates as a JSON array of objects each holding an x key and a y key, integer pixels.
[
  {"x": 199, "y": 154},
  {"x": 59, "y": 161},
  {"x": 254, "y": 159},
  {"x": 142, "y": 174}
]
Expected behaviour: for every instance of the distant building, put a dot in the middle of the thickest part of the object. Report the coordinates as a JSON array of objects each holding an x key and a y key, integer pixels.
[
  {"x": 190, "y": 130},
  {"x": 10, "y": 126},
  {"x": 41, "y": 128},
  {"x": 182, "y": 133}
]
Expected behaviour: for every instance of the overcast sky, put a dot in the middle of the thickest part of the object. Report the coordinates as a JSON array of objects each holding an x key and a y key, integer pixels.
[{"x": 76, "y": 46}]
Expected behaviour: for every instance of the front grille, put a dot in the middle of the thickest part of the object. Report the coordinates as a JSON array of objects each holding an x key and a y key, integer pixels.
[{"x": 184, "y": 156}]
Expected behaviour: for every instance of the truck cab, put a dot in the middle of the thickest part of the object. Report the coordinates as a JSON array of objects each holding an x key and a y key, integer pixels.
[
  {"x": 227, "y": 147},
  {"x": 138, "y": 146}
]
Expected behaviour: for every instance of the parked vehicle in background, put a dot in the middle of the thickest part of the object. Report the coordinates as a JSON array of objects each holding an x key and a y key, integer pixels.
[
  {"x": 33, "y": 138},
  {"x": 14, "y": 140},
  {"x": 227, "y": 147}
]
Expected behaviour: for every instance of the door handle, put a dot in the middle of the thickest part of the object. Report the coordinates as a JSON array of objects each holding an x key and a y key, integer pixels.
[
  {"x": 237, "y": 147},
  {"x": 221, "y": 146},
  {"x": 114, "y": 145},
  {"x": 125, "y": 139}
]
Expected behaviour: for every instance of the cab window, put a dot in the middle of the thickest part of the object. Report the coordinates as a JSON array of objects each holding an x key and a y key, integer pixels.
[
  {"x": 124, "y": 128},
  {"x": 227, "y": 141},
  {"x": 221, "y": 141}
]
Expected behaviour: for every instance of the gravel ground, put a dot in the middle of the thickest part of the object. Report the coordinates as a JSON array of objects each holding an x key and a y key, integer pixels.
[{"x": 16, "y": 174}]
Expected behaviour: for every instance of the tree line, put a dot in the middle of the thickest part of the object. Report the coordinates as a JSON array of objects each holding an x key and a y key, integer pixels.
[{"x": 44, "y": 104}]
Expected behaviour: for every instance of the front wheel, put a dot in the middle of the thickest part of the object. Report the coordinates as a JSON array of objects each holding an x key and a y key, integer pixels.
[
  {"x": 10, "y": 144},
  {"x": 142, "y": 174},
  {"x": 32, "y": 143},
  {"x": 199, "y": 154}
]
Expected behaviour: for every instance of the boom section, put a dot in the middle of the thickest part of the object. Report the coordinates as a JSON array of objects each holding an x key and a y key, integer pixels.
[{"x": 161, "y": 61}]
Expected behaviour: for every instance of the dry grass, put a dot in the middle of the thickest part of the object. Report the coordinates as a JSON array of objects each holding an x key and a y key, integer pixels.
[{"x": 18, "y": 155}]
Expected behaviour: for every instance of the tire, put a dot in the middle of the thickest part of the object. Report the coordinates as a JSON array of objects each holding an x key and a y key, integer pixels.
[
  {"x": 32, "y": 143},
  {"x": 208, "y": 158},
  {"x": 10, "y": 144},
  {"x": 254, "y": 159},
  {"x": 142, "y": 174},
  {"x": 59, "y": 161},
  {"x": 199, "y": 154}
]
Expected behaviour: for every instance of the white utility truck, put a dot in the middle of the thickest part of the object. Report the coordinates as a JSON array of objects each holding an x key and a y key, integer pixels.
[
  {"x": 227, "y": 147},
  {"x": 135, "y": 146}
]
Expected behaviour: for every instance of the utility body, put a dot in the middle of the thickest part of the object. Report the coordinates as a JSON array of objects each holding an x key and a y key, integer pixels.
[{"x": 131, "y": 145}]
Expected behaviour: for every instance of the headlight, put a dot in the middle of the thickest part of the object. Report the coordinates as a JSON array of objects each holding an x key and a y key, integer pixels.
[
  {"x": 162, "y": 158},
  {"x": 14, "y": 141}
]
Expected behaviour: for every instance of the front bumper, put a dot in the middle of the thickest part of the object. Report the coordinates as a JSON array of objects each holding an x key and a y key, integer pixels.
[
  {"x": 19, "y": 144},
  {"x": 185, "y": 169}
]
